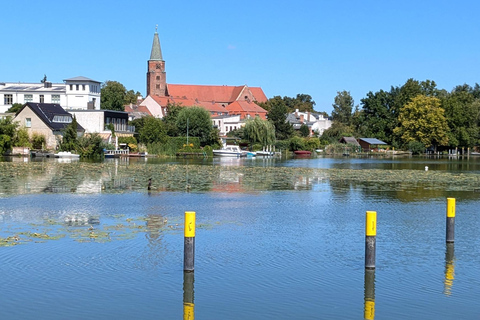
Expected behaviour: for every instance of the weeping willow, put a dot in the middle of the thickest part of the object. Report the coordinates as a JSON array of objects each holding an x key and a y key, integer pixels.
[{"x": 259, "y": 131}]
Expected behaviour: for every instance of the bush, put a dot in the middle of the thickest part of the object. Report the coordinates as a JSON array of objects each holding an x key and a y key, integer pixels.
[
  {"x": 416, "y": 147},
  {"x": 312, "y": 144},
  {"x": 297, "y": 143},
  {"x": 38, "y": 141}
]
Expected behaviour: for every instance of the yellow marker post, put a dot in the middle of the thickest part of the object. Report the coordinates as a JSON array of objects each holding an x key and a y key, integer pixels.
[
  {"x": 450, "y": 220},
  {"x": 189, "y": 242},
  {"x": 370, "y": 239}
]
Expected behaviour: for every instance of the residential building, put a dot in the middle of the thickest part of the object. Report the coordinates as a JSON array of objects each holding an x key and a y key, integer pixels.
[
  {"x": 98, "y": 121},
  {"x": 75, "y": 93},
  {"x": 316, "y": 122},
  {"x": 47, "y": 119}
]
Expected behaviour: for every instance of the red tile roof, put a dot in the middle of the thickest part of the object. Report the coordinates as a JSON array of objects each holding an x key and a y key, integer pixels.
[{"x": 217, "y": 94}]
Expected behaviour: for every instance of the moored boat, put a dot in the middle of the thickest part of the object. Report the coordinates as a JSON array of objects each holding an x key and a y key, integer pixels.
[
  {"x": 229, "y": 151},
  {"x": 302, "y": 153},
  {"x": 66, "y": 154}
]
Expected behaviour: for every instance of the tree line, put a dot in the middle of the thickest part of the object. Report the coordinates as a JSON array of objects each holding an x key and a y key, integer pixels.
[{"x": 416, "y": 115}]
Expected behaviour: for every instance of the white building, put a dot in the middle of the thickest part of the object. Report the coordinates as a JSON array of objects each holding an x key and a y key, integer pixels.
[
  {"x": 77, "y": 93},
  {"x": 227, "y": 123},
  {"x": 316, "y": 122}
]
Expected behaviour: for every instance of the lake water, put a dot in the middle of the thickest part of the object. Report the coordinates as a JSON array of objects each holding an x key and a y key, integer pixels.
[{"x": 275, "y": 239}]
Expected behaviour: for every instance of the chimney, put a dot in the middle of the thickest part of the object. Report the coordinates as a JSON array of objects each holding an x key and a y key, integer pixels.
[
  {"x": 301, "y": 118},
  {"x": 308, "y": 116}
]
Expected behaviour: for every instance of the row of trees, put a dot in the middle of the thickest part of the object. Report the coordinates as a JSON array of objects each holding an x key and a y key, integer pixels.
[{"x": 415, "y": 113}]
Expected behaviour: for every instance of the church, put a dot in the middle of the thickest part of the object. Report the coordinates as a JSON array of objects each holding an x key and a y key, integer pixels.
[{"x": 222, "y": 102}]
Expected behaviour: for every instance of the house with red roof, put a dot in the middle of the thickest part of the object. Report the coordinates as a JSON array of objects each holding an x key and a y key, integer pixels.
[{"x": 218, "y": 100}]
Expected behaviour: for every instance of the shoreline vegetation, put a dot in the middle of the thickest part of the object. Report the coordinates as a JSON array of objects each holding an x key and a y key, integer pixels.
[{"x": 108, "y": 177}]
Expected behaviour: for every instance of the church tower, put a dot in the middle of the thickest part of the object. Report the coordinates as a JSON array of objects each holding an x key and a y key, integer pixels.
[{"x": 156, "y": 75}]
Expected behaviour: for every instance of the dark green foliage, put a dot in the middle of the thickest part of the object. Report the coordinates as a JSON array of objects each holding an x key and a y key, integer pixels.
[
  {"x": 114, "y": 96},
  {"x": 304, "y": 130},
  {"x": 416, "y": 147},
  {"x": 69, "y": 139},
  {"x": 8, "y": 129},
  {"x": 278, "y": 116},
  {"x": 152, "y": 131},
  {"x": 196, "y": 122},
  {"x": 38, "y": 141},
  {"x": 297, "y": 143},
  {"x": 90, "y": 146},
  {"x": 170, "y": 119},
  {"x": 342, "y": 108},
  {"x": 15, "y": 108}
]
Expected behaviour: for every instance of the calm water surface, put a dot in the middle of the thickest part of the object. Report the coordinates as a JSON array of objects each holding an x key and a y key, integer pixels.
[{"x": 291, "y": 253}]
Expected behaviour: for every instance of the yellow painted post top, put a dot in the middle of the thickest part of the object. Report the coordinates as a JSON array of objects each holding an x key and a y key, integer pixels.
[
  {"x": 371, "y": 225},
  {"x": 450, "y": 207},
  {"x": 189, "y": 224}
]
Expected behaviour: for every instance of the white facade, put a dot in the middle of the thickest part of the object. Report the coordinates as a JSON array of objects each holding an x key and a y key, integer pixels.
[
  {"x": 77, "y": 93},
  {"x": 227, "y": 123}
]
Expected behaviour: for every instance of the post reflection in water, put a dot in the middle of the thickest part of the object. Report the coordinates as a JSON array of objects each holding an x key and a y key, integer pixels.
[
  {"x": 369, "y": 307},
  {"x": 449, "y": 269},
  {"x": 188, "y": 304}
]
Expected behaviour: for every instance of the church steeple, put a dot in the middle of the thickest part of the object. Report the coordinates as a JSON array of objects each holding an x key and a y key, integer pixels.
[
  {"x": 156, "y": 75},
  {"x": 156, "y": 53}
]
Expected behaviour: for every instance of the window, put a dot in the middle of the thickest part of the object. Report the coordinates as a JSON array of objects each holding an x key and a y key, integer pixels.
[
  {"x": 158, "y": 77},
  {"x": 157, "y": 86},
  {"x": 77, "y": 86},
  {"x": 8, "y": 99},
  {"x": 83, "y": 87},
  {"x": 71, "y": 87},
  {"x": 28, "y": 98},
  {"x": 62, "y": 119},
  {"x": 42, "y": 98},
  {"x": 55, "y": 98},
  {"x": 28, "y": 122}
]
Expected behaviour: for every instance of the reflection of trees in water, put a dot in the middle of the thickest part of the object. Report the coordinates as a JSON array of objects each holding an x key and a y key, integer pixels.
[{"x": 402, "y": 191}]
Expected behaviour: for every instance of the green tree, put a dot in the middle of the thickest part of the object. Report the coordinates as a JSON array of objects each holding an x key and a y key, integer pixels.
[
  {"x": 342, "y": 108},
  {"x": 90, "y": 146},
  {"x": 259, "y": 131},
  {"x": 278, "y": 116},
  {"x": 198, "y": 123},
  {"x": 8, "y": 129},
  {"x": 153, "y": 130},
  {"x": 113, "y": 96},
  {"x": 15, "y": 108},
  {"x": 22, "y": 138},
  {"x": 462, "y": 113},
  {"x": 170, "y": 119},
  {"x": 69, "y": 139},
  {"x": 423, "y": 120},
  {"x": 131, "y": 97},
  {"x": 304, "y": 130},
  {"x": 377, "y": 117}
]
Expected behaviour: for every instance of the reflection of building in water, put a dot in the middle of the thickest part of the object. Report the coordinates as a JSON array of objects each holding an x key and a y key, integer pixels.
[
  {"x": 80, "y": 219},
  {"x": 228, "y": 181}
]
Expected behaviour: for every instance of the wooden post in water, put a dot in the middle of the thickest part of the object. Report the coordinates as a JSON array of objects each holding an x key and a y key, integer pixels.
[
  {"x": 370, "y": 239},
  {"x": 450, "y": 220},
  {"x": 189, "y": 242}
]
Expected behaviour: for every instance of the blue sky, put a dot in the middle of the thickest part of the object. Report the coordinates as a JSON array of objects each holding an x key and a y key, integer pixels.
[{"x": 285, "y": 47}]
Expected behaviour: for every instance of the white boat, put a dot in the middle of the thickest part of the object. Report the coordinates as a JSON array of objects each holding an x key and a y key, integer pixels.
[
  {"x": 264, "y": 153},
  {"x": 66, "y": 154},
  {"x": 229, "y": 151}
]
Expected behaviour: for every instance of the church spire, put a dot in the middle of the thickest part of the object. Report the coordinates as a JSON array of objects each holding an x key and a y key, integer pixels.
[{"x": 156, "y": 53}]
